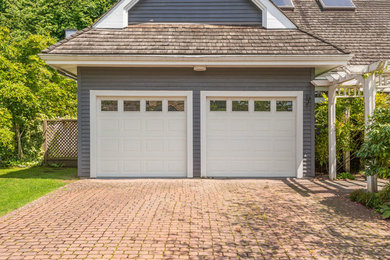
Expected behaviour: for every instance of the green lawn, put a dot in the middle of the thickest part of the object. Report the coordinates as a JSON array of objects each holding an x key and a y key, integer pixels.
[{"x": 19, "y": 186}]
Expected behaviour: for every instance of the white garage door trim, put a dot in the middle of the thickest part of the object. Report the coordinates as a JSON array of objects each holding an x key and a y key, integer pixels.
[
  {"x": 94, "y": 94},
  {"x": 259, "y": 94}
]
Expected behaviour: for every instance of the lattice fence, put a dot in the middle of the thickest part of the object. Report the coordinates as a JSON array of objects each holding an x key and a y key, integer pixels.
[{"x": 60, "y": 143}]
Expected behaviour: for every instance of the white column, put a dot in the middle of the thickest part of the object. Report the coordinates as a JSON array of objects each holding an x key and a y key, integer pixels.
[
  {"x": 369, "y": 89},
  {"x": 332, "y": 132}
]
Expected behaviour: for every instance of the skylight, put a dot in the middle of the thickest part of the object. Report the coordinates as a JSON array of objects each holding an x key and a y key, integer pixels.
[
  {"x": 284, "y": 3},
  {"x": 337, "y": 4}
]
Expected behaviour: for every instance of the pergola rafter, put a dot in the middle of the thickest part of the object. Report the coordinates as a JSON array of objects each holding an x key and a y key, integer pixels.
[{"x": 352, "y": 82}]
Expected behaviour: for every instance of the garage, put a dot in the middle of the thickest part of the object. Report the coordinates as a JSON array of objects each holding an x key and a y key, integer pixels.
[
  {"x": 141, "y": 135},
  {"x": 257, "y": 135}
]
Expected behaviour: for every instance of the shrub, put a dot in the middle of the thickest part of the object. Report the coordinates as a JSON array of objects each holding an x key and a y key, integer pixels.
[
  {"x": 379, "y": 201},
  {"x": 385, "y": 210},
  {"x": 375, "y": 151},
  {"x": 345, "y": 176},
  {"x": 368, "y": 199}
]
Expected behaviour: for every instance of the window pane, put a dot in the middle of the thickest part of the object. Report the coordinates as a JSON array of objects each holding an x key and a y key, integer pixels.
[
  {"x": 130, "y": 105},
  {"x": 337, "y": 4},
  {"x": 240, "y": 105},
  {"x": 109, "y": 105},
  {"x": 283, "y": 3},
  {"x": 153, "y": 105},
  {"x": 263, "y": 106},
  {"x": 217, "y": 105},
  {"x": 175, "y": 105},
  {"x": 284, "y": 106}
]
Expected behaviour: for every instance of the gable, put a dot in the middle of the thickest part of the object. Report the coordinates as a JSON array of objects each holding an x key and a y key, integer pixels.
[
  {"x": 195, "y": 11},
  {"x": 259, "y": 12}
]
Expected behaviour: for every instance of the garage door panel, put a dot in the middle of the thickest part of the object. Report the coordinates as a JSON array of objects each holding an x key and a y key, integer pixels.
[
  {"x": 141, "y": 143},
  {"x": 108, "y": 145},
  {"x": 132, "y": 124},
  {"x": 108, "y": 167},
  {"x": 132, "y": 167},
  {"x": 250, "y": 143},
  {"x": 132, "y": 145}
]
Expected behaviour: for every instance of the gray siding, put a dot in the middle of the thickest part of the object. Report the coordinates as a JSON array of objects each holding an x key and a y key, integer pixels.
[
  {"x": 187, "y": 79},
  {"x": 196, "y": 11}
]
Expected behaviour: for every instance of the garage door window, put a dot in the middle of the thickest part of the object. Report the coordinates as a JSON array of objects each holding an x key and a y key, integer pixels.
[
  {"x": 262, "y": 106},
  {"x": 284, "y": 106},
  {"x": 131, "y": 106},
  {"x": 217, "y": 105},
  {"x": 109, "y": 105},
  {"x": 175, "y": 106},
  {"x": 155, "y": 106},
  {"x": 240, "y": 105}
]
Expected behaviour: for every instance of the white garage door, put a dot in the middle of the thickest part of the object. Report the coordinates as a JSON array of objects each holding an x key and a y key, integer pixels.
[
  {"x": 141, "y": 137},
  {"x": 251, "y": 137}
]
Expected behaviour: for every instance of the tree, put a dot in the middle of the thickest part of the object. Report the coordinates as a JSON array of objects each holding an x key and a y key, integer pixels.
[
  {"x": 30, "y": 90},
  {"x": 48, "y": 17}
]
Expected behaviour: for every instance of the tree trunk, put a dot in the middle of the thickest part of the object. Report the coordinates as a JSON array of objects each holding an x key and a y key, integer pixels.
[
  {"x": 347, "y": 161},
  {"x": 19, "y": 141}
]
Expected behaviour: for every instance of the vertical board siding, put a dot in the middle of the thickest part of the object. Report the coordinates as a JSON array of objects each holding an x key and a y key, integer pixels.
[
  {"x": 187, "y": 79},
  {"x": 196, "y": 11}
]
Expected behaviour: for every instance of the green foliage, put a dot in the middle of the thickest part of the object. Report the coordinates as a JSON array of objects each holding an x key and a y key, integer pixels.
[
  {"x": 349, "y": 128},
  {"x": 379, "y": 201},
  {"x": 345, "y": 176},
  {"x": 29, "y": 89},
  {"x": 370, "y": 200},
  {"x": 375, "y": 151},
  {"x": 385, "y": 210},
  {"x": 48, "y": 17},
  {"x": 29, "y": 92},
  {"x": 350, "y": 125}
]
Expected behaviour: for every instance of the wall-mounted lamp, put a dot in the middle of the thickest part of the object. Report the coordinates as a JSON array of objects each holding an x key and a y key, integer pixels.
[{"x": 200, "y": 68}]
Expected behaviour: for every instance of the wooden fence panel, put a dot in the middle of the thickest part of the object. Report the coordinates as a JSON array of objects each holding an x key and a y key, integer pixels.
[{"x": 60, "y": 143}]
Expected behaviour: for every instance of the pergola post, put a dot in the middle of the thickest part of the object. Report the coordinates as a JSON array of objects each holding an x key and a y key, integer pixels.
[
  {"x": 369, "y": 89},
  {"x": 332, "y": 132}
]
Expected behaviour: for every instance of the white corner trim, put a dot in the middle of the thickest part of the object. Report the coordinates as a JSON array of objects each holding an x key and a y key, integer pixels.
[
  {"x": 117, "y": 17},
  {"x": 299, "y": 123},
  {"x": 273, "y": 18},
  {"x": 94, "y": 94}
]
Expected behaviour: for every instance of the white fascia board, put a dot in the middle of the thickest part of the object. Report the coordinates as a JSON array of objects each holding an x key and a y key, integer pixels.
[
  {"x": 207, "y": 60},
  {"x": 117, "y": 17}
]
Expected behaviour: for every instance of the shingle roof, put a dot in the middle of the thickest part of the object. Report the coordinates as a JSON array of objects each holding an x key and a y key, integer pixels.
[
  {"x": 193, "y": 39},
  {"x": 365, "y": 32}
]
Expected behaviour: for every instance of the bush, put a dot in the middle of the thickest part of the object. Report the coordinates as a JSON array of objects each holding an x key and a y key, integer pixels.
[
  {"x": 375, "y": 151},
  {"x": 379, "y": 201},
  {"x": 345, "y": 176},
  {"x": 368, "y": 199}
]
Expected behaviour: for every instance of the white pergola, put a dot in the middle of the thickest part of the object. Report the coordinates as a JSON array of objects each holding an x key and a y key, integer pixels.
[{"x": 352, "y": 82}]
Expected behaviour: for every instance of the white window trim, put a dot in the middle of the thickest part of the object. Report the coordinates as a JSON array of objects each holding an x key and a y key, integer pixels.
[
  {"x": 117, "y": 17},
  {"x": 298, "y": 95},
  {"x": 94, "y": 94}
]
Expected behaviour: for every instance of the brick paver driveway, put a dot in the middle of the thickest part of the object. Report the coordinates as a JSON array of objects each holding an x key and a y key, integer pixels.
[{"x": 195, "y": 219}]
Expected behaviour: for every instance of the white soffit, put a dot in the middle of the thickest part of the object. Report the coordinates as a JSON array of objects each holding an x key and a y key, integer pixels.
[{"x": 117, "y": 17}]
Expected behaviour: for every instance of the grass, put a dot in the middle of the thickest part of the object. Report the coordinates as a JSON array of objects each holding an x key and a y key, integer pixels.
[{"x": 19, "y": 186}]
